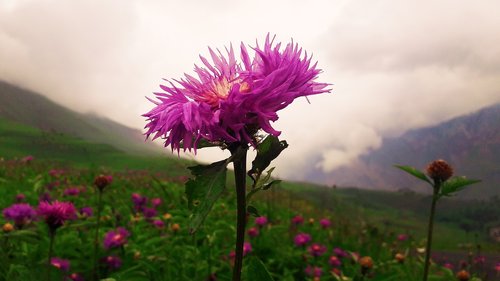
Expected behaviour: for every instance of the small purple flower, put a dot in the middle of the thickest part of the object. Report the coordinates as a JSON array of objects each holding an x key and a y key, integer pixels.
[
  {"x": 448, "y": 265},
  {"x": 334, "y": 261},
  {"x": 149, "y": 213},
  {"x": 253, "y": 232},
  {"x": 27, "y": 159},
  {"x": 72, "y": 191},
  {"x": 22, "y": 214},
  {"x": 402, "y": 237},
  {"x": 297, "y": 220},
  {"x": 86, "y": 211},
  {"x": 480, "y": 260},
  {"x": 56, "y": 213},
  {"x": 45, "y": 197},
  {"x": 155, "y": 202},
  {"x": 497, "y": 267},
  {"x": 139, "y": 201},
  {"x": 20, "y": 198},
  {"x": 113, "y": 262},
  {"x": 261, "y": 221},
  {"x": 325, "y": 223},
  {"x": 56, "y": 173},
  {"x": 247, "y": 248},
  {"x": 302, "y": 239},
  {"x": 340, "y": 253},
  {"x": 313, "y": 271},
  {"x": 116, "y": 238},
  {"x": 60, "y": 264},
  {"x": 316, "y": 250},
  {"x": 75, "y": 277},
  {"x": 101, "y": 181},
  {"x": 159, "y": 224}
]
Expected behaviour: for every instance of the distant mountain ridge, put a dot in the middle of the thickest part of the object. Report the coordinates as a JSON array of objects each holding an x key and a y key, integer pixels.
[
  {"x": 29, "y": 108},
  {"x": 471, "y": 143}
]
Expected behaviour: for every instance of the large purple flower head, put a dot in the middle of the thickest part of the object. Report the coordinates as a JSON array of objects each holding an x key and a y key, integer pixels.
[
  {"x": 229, "y": 101},
  {"x": 56, "y": 213},
  {"x": 22, "y": 214}
]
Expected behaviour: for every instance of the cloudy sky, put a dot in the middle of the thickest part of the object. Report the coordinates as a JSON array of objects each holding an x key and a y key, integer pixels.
[{"x": 395, "y": 65}]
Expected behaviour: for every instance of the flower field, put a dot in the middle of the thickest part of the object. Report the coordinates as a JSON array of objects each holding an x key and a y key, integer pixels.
[{"x": 143, "y": 233}]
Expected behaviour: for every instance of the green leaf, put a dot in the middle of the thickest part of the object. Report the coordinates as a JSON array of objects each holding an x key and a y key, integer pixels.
[
  {"x": 206, "y": 187},
  {"x": 267, "y": 151},
  {"x": 456, "y": 184},
  {"x": 253, "y": 211},
  {"x": 257, "y": 270},
  {"x": 270, "y": 184},
  {"x": 414, "y": 172}
]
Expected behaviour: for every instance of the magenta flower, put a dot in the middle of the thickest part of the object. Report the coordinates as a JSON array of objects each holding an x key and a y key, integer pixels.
[
  {"x": 149, "y": 213},
  {"x": 313, "y": 271},
  {"x": 60, "y": 264},
  {"x": 297, "y": 220},
  {"x": 28, "y": 159},
  {"x": 325, "y": 223},
  {"x": 302, "y": 239},
  {"x": 229, "y": 101},
  {"x": 402, "y": 237},
  {"x": 139, "y": 201},
  {"x": 261, "y": 221},
  {"x": 116, "y": 238},
  {"x": 497, "y": 267},
  {"x": 253, "y": 232},
  {"x": 75, "y": 277},
  {"x": 448, "y": 265},
  {"x": 86, "y": 211},
  {"x": 316, "y": 250},
  {"x": 72, "y": 191},
  {"x": 155, "y": 202},
  {"x": 20, "y": 198},
  {"x": 159, "y": 224},
  {"x": 56, "y": 213},
  {"x": 334, "y": 261},
  {"x": 22, "y": 214},
  {"x": 340, "y": 253},
  {"x": 113, "y": 262},
  {"x": 247, "y": 248}
]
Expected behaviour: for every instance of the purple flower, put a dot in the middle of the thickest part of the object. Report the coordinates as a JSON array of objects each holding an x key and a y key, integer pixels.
[
  {"x": 27, "y": 159},
  {"x": 247, "y": 248},
  {"x": 334, "y": 261},
  {"x": 448, "y": 265},
  {"x": 20, "y": 198},
  {"x": 139, "y": 201},
  {"x": 497, "y": 267},
  {"x": 149, "y": 213},
  {"x": 159, "y": 224},
  {"x": 22, "y": 214},
  {"x": 75, "y": 277},
  {"x": 402, "y": 237},
  {"x": 155, "y": 202},
  {"x": 60, "y": 264},
  {"x": 297, "y": 220},
  {"x": 316, "y": 250},
  {"x": 313, "y": 271},
  {"x": 86, "y": 211},
  {"x": 261, "y": 221},
  {"x": 253, "y": 232},
  {"x": 302, "y": 239},
  {"x": 325, "y": 223},
  {"x": 72, "y": 191},
  {"x": 56, "y": 213},
  {"x": 45, "y": 197},
  {"x": 113, "y": 262},
  {"x": 340, "y": 253},
  {"x": 116, "y": 238},
  {"x": 229, "y": 101},
  {"x": 101, "y": 181}
]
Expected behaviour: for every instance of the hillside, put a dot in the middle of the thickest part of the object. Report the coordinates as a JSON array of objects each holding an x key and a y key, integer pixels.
[
  {"x": 31, "y": 109},
  {"x": 470, "y": 143}
]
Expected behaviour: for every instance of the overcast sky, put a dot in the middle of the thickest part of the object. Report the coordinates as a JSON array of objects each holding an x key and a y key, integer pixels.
[{"x": 395, "y": 65}]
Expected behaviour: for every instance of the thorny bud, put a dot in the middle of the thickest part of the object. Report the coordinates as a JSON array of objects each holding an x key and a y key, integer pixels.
[
  {"x": 366, "y": 264},
  {"x": 102, "y": 181},
  {"x": 439, "y": 171}
]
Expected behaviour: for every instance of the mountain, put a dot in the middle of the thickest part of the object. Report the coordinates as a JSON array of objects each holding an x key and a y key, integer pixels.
[
  {"x": 470, "y": 143},
  {"x": 31, "y": 109}
]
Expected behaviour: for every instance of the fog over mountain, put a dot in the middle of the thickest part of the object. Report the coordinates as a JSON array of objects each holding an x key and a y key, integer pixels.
[{"x": 395, "y": 65}]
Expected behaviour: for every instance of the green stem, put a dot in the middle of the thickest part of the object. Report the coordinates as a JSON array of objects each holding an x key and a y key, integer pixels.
[
  {"x": 52, "y": 234},
  {"x": 239, "y": 162},
  {"x": 430, "y": 230},
  {"x": 95, "y": 271}
]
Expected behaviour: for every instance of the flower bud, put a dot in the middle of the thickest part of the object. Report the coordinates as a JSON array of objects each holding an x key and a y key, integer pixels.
[
  {"x": 439, "y": 171},
  {"x": 102, "y": 181},
  {"x": 366, "y": 264},
  {"x": 399, "y": 257},
  {"x": 7, "y": 227},
  {"x": 463, "y": 275}
]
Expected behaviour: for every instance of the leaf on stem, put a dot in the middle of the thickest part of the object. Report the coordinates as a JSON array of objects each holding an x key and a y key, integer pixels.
[
  {"x": 253, "y": 211},
  {"x": 414, "y": 172},
  {"x": 267, "y": 151},
  {"x": 206, "y": 187},
  {"x": 456, "y": 184}
]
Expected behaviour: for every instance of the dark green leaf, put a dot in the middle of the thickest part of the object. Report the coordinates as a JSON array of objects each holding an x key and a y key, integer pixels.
[
  {"x": 267, "y": 151},
  {"x": 414, "y": 172},
  {"x": 253, "y": 211},
  {"x": 206, "y": 187},
  {"x": 257, "y": 270},
  {"x": 456, "y": 184}
]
